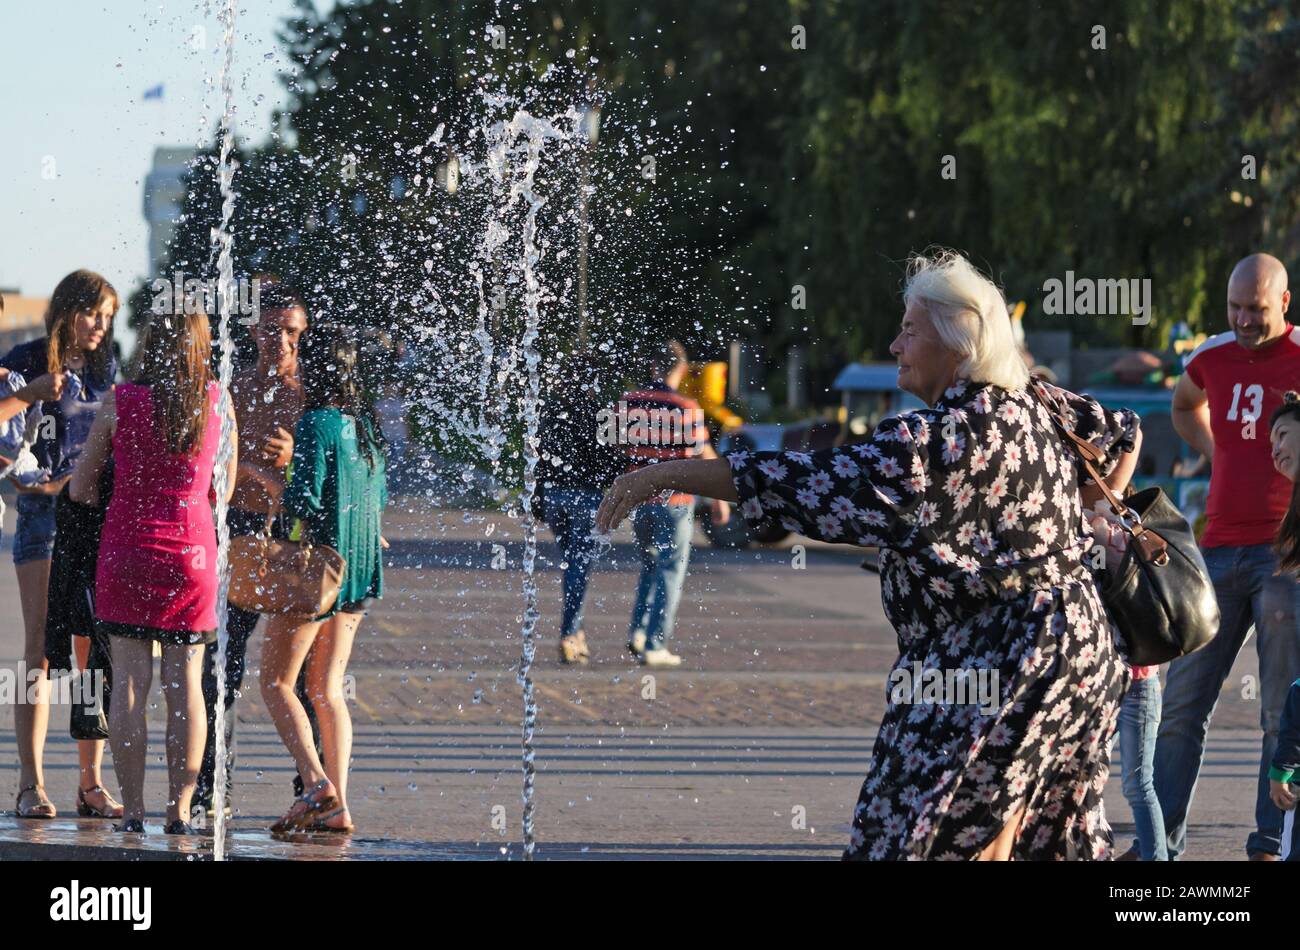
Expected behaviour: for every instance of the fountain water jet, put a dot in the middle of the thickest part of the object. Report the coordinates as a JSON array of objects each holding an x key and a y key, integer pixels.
[{"x": 226, "y": 296}]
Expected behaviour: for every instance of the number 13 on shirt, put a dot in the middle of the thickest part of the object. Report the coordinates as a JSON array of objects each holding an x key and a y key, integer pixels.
[{"x": 1254, "y": 396}]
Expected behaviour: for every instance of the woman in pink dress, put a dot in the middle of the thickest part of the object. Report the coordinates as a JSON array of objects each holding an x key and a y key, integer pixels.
[{"x": 156, "y": 579}]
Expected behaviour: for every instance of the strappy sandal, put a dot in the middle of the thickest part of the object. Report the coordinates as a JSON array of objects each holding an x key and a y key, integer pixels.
[
  {"x": 86, "y": 810},
  {"x": 321, "y": 824},
  {"x": 307, "y": 809},
  {"x": 43, "y": 810}
]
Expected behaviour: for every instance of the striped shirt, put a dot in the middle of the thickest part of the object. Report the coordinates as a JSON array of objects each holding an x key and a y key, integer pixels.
[{"x": 658, "y": 424}]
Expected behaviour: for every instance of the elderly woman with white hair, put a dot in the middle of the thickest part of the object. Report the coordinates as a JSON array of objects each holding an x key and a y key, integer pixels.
[{"x": 976, "y": 505}]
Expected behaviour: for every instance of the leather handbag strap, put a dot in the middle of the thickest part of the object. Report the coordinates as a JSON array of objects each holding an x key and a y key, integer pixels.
[{"x": 1152, "y": 547}]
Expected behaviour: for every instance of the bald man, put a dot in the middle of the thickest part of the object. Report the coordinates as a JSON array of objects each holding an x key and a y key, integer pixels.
[{"x": 1221, "y": 407}]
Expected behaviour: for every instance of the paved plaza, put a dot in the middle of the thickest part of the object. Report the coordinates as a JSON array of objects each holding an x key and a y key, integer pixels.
[{"x": 755, "y": 747}]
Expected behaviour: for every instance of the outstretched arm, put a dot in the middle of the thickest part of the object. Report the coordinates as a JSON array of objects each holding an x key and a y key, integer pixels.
[{"x": 708, "y": 477}]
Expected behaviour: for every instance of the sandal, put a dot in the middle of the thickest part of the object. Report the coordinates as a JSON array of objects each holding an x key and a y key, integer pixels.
[
  {"x": 307, "y": 809},
  {"x": 111, "y": 808},
  {"x": 43, "y": 810},
  {"x": 321, "y": 823}
]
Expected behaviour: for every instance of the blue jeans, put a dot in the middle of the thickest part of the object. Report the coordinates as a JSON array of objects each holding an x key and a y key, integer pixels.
[
  {"x": 663, "y": 533},
  {"x": 34, "y": 532},
  {"x": 571, "y": 514},
  {"x": 1139, "y": 718},
  {"x": 1249, "y": 594}
]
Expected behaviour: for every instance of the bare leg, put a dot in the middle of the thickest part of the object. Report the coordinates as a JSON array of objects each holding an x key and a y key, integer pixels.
[
  {"x": 127, "y": 732},
  {"x": 90, "y": 752},
  {"x": 284, "y": 649},
  {"x": 187, "y": 724},
  {"x": 325, "y": 669},
  {"x": 32, "y": 719},
  {"x": 1000, "y": 848}
]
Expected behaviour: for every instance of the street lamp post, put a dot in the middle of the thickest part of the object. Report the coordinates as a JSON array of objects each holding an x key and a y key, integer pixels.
[{"x": 591, "y": 127}]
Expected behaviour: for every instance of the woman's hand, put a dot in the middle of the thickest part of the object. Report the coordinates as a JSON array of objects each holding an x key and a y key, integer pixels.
[
  {"x": 1109, "y": 531},
  {"x": 626, "y": 493},
  {"x": 278, "y": 448},
  {"x": 1281, "y": 794},
  {"x": 47, "y": 388},
  {"x": 42, "y": 488}
]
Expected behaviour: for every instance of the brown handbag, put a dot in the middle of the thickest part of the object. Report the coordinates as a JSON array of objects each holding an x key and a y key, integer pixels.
[{"x": 271, "y": 576}]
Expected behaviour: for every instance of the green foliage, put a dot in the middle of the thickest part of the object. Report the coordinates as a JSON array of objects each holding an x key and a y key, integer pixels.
[{"x": 779, "y": 166}]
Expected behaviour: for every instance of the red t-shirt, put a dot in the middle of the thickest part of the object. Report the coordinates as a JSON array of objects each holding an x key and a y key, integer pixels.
[
  {"x": 1247, "y": 495},
  {"x": 662, "y": 425}
]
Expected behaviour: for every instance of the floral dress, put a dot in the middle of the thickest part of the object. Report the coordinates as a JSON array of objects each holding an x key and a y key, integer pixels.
[{"x": 984, "y": 563}]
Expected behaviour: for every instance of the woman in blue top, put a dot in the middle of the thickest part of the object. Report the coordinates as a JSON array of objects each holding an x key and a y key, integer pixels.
[{"x": 65, "y": 375}]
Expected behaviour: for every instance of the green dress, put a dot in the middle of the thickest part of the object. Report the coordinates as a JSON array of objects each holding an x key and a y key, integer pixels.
[{"x": 339, "y": 497}]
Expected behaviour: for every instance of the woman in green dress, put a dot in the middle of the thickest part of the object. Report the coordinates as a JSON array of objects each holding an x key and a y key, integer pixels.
[{"x": 337, "y": 491}]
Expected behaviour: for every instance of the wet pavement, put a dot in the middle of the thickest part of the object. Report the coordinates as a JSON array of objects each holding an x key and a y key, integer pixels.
[{"x": 754, "y": 748}]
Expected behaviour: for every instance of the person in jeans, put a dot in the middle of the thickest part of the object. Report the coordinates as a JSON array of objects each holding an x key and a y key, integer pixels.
[
  {"x": 1285, "y": 769},
  {"x": 67, "y": 375},
  {"x": 156, "y": 577},
  {"x": 1139, "y": 720},
  {"x": 1284, "y": 434},
  {"x": 578, "y": 462},
  {"x": 663, "y": 425},
  {"x": 268, "y": 403},
  {"x": 1232, "y": 383}
]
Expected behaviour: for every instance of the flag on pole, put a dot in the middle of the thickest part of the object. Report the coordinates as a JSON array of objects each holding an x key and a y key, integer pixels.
[{"x": 155, "y": 93}]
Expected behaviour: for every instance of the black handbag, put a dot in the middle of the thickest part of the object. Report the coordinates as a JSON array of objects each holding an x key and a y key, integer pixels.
[{"x": 1160, "y": 596}]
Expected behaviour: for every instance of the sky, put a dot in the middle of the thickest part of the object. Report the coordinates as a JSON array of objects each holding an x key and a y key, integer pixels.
[{"x": 78, "y": 138}]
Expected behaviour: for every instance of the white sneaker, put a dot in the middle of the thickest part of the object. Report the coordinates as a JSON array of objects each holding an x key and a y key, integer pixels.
[
  {"x": 636, "y": 645},
  {"x": 660, "y": 657}
]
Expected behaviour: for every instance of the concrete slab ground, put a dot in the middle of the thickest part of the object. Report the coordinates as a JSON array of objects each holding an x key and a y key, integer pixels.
[{"x": 755, "y": 748}]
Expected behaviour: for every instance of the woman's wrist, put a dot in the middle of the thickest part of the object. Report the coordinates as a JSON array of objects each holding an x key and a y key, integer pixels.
[{"x": 658, "y": 477}]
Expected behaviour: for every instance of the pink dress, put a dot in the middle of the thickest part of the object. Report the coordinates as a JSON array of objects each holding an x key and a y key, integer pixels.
[{"x": 158, "y": 552}]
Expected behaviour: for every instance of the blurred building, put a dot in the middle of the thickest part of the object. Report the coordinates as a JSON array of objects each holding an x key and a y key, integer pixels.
[
  {"x": 22, "y": 319},
  {"x": 164, "y": 194}
]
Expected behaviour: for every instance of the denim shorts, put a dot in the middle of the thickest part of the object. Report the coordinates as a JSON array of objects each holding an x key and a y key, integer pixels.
[{"x": 34, "y": 537}]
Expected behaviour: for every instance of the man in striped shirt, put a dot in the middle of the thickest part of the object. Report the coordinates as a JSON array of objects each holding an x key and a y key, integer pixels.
[{"x": 656, "y": 423}]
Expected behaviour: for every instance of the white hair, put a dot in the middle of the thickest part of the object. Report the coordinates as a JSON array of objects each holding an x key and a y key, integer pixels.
[{"x": 970, "y": 315}]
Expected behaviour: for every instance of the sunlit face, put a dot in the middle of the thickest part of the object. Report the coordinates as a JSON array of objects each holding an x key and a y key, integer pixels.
[
  {"x": 925, "y": 366},
  {"x": 91, "y": 327},
  {"x": 1286, "y": 446},
  {"x": 1257, "y": 307},
  {"x": 278, "y": 333}
]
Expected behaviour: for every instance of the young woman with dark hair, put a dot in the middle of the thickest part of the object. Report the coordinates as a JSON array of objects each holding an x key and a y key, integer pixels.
[
  {"x": 65, "y": 377},
  {"x": 156, "y": 579},
  {"x": 1284, "y": 433},
  {"x": 338, "y": 491}
]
